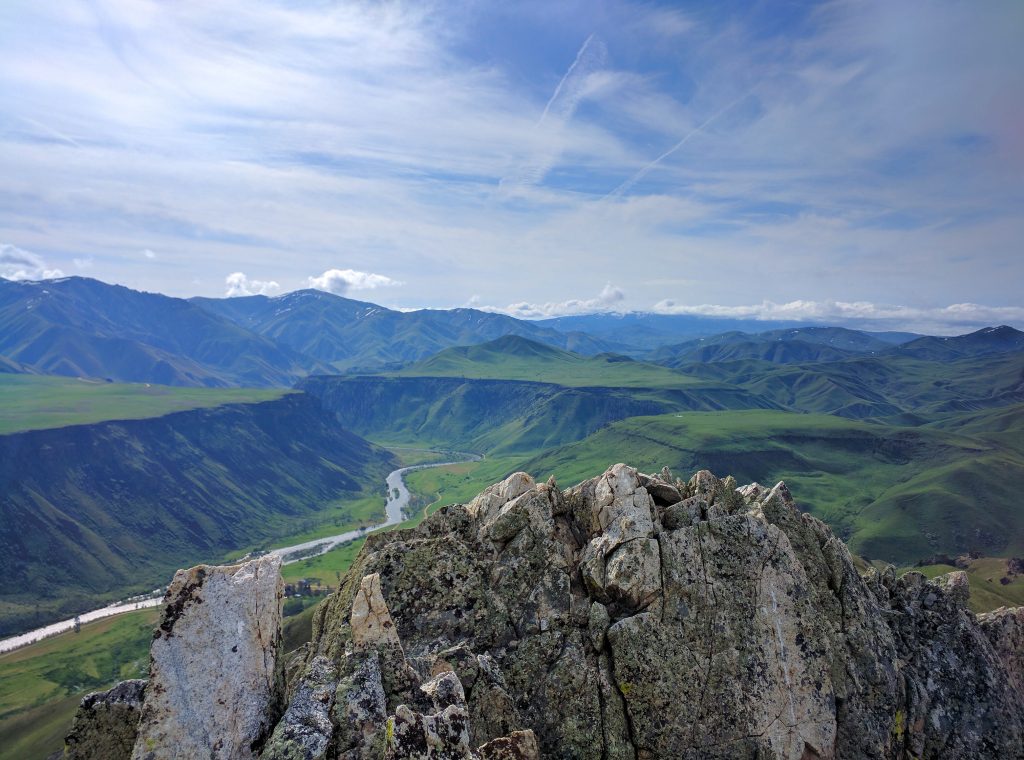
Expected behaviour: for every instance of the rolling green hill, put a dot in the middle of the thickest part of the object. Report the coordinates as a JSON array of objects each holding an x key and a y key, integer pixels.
[
  {"x": 773, "y": 351},
  {"x": 93, "y": 513},
  {"x": 513, "y": 357},
  {"x": 789, "y": 346},
  {"x": 878, "y": 386},
  {"x": 34, "y": 402},
  {"x": 898, "y": 494}
]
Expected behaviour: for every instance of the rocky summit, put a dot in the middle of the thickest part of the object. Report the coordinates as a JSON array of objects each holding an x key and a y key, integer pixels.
[{"x": 630, "y": 616}]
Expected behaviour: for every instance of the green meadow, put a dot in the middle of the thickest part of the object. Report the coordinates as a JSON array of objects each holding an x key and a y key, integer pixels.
[
  {"x": 42, "y": 684},
  {"x": 35, "y": 402}
]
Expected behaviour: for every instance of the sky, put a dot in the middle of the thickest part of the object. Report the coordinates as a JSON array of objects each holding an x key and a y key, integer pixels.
[{"x": 851, "y": 161}]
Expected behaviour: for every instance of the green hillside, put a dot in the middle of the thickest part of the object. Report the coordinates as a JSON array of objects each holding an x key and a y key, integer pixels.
[
  {"x": 80, "y": 327},
  {"x": 500, "y": 416},
  {"x": 516, "y": 358},
  {"x": 898, "y": 494},
  {"x": 93, "y": 513},
  {"x": 34, "y": 402},
  {"x": 352, "y": 334},
  {"x": 42, "y": 684},
  {"x": 877, "y": 386}
]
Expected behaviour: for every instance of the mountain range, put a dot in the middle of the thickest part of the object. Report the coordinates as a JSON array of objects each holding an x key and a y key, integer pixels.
[{"x": 81, "y": 327}]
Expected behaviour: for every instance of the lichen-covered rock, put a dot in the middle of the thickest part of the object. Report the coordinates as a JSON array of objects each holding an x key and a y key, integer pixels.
[
  {"x": 305, "y": 730},
  {"x": 637, "y": 617},
  {"x": 216, "y": 680},
  {"x": 1005, "y": 630},
  {"x": 106, "y": 723},
  {"x": 519, "y": 745},
  {"x": 634, "y": 617}
]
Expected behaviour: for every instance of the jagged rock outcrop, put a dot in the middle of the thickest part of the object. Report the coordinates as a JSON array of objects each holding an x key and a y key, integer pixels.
[
  {"x": 106, "y": 723},
  {"x": 637, "y": 616},
  {"x": 215, "y": 678}
]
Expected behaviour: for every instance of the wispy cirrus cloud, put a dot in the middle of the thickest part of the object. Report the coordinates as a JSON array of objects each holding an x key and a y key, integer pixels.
[
  {"x": 571, "y": 89},
  {"x": 808, "y": 153}
]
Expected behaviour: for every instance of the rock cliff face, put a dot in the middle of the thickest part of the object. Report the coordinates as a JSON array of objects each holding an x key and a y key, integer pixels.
[{"x": 633, "y": 616}]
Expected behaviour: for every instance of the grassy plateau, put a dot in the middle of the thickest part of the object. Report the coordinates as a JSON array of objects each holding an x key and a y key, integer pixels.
[{"x": 34, "y": 402}]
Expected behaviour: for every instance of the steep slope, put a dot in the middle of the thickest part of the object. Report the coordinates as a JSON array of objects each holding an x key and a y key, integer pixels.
[
  {"x": 631, "y": 616},
  {"x": 499, "y": 416},
  {"x": 348, "y": 333},
  {"x": 92, "y": 512},
  {"x": 81, "y": 327}
]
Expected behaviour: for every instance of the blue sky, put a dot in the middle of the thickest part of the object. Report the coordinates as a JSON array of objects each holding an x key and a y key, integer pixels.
[{"x": 839, "y": 161}]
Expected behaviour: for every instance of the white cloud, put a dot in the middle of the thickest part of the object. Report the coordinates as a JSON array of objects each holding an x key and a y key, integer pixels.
[
  {"x": 606, "y": 301},
  {"x": 238, "y": 284},
  {"x": 84, "y": 262},
  {"x": 270, "y": 132},
  {"x": 945, "y": 319},
  {"x": 149, "y": 254},
  {"x": 341, "y": 281},
  {"x": 19, "y": 264}
]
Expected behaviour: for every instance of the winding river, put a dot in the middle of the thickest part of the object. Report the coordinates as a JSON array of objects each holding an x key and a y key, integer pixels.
[{"x": 394, "y": 513}]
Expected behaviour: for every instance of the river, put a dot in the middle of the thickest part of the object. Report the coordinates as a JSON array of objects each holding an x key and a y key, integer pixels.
[{"x": 394, "y": 513}]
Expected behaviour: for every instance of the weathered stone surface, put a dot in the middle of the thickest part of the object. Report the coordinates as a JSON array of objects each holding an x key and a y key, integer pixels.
[
  {"x": 1005, "y": 630},
  {"x": 371, "y": 621},
  {"x": 633, "y": 618},
  {"x": 519, "y": 745},
  {"x": 305, "y": 730},
  {"x": 215, "y": 675},
  {"x": 361, "y": 709},
  {"x": 106, "y": 723}
]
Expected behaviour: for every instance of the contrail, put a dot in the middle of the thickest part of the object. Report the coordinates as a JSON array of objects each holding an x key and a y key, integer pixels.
[
  {"x": 557, "y": 112},
  {"x": 51, "y": 131},
  {"x": 692, "y": 133},
  {"x": 565, "y": 78}
]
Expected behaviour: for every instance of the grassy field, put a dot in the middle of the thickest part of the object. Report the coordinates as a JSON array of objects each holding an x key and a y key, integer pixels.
[
  {"x": 987, "y": 589},
  {"x": 42, "y": 684},
  {"x": 34, "y": 402},
  {"x": 326, "y": 567}
]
